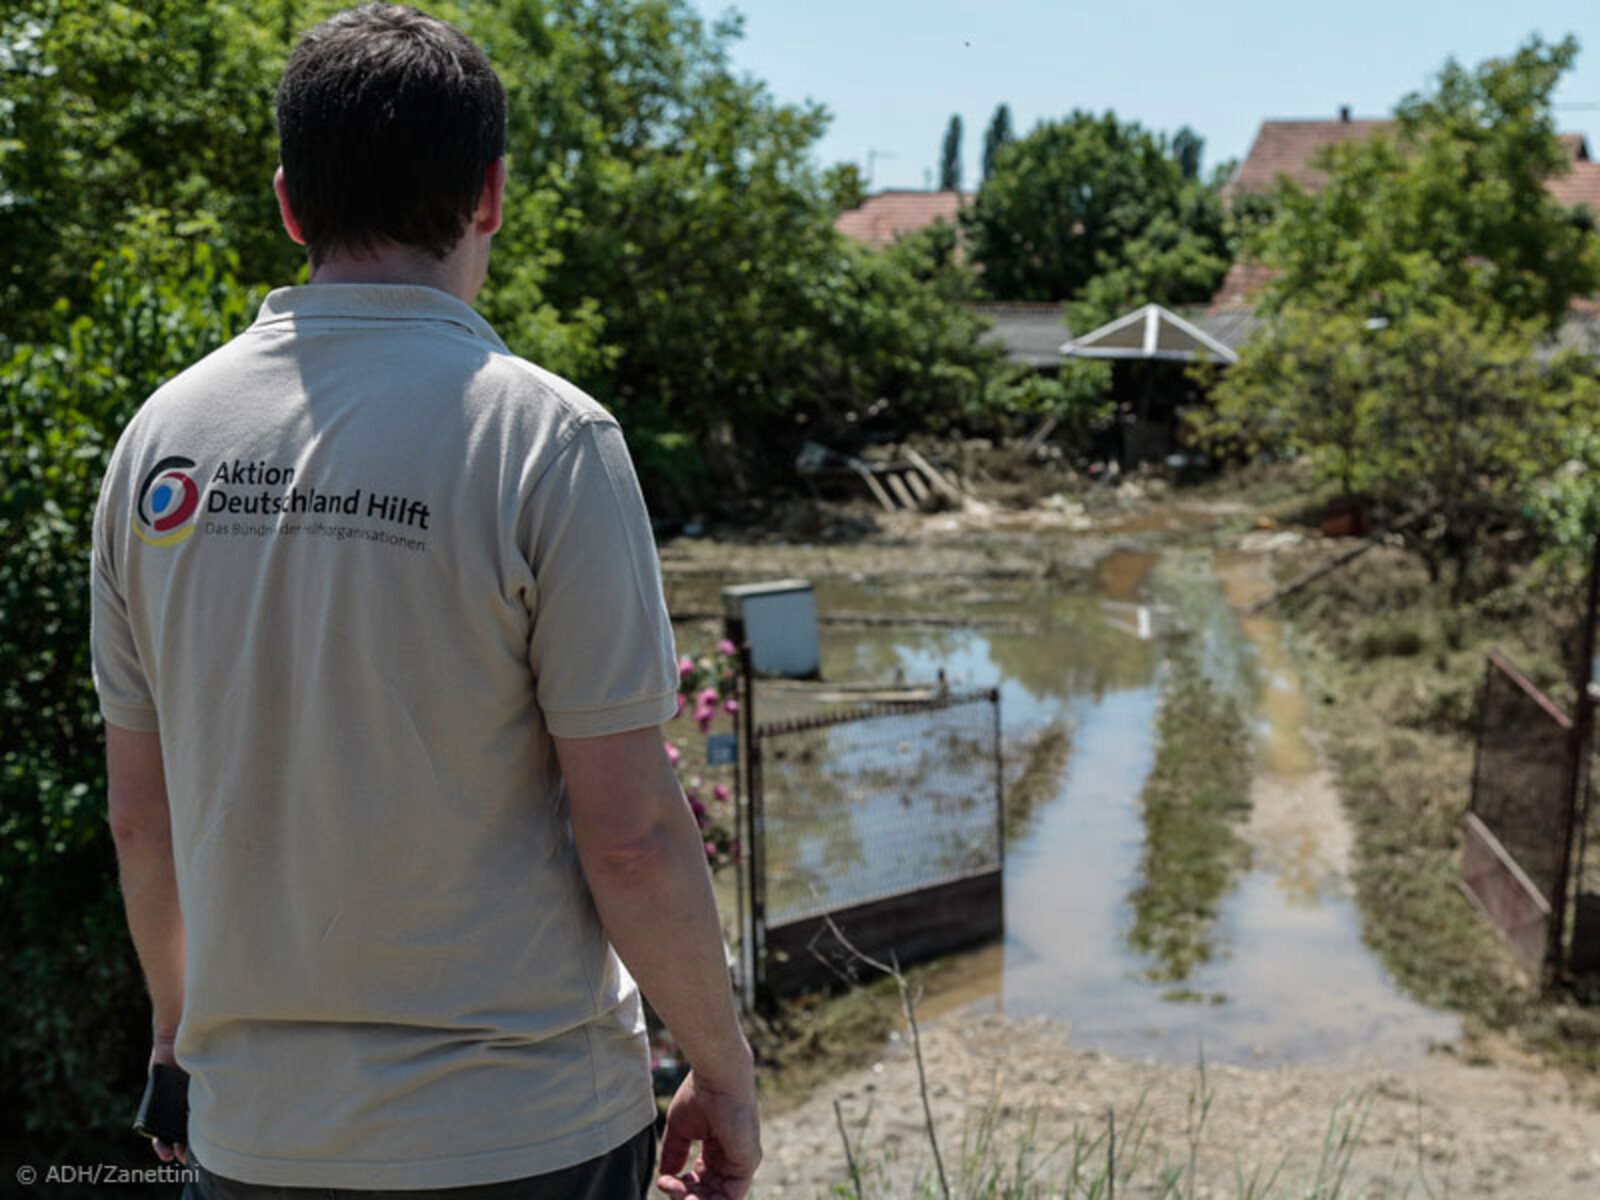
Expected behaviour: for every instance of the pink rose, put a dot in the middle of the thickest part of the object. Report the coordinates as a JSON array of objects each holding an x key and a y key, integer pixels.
[
  {"x": 720, "y": 791},
  {"x": 726, "y": 648},
  {"x": 685, "y": 667},
  {"x": 708, "y": 698},
  {"x": 672, "y": 753},
  {"x": 730, "y": 706},
  {"x": 711, "y": 849}
]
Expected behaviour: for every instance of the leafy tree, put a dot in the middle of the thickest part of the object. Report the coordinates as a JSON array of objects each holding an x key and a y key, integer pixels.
[
  {"x": 844, "y": 186},
  {"x": 687, "y": 220},
  {"x": 950, "y": 156},
  {"x": 1065, "y": 204},
  {"x": 996, "y": 138},
  {"x": 1405, "y": 352},
  {"x": 113, "y": 111},
  {"x": 1187, "y": 146},
  {"x": 1460, "y": 185},
  {"x": 1566, "y": 505},
  {"x": 77, "y": 1028},
  {"x": 1434, "y": 414},
  {"x": 896, "y": 335},
  {"x": 1078, "y": 396},
  {"x": 1179, "y": 258},
  {"x": 667, "y": 236}
]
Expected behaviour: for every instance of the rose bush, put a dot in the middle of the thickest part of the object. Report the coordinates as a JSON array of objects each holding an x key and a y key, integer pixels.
[{"x": 707, "y": 687}]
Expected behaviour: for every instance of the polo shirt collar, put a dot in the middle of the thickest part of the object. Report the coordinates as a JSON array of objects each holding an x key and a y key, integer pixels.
[{"x": 373, "y": 302}]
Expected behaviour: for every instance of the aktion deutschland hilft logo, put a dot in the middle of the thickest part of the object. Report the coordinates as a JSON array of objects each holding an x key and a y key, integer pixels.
[{"x": 169, "y": 502}]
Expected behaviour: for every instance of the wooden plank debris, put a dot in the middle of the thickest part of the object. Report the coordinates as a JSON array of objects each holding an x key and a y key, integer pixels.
[
  {"x": 898, "y": 489},
  {"x": 936, "y": 477},
  {"x": 918, "y": 486},
  {"x": 876, "y": 489}
]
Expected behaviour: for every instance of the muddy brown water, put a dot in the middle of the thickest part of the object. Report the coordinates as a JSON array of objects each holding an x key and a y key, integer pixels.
[{"x": 1293, "y": 980}]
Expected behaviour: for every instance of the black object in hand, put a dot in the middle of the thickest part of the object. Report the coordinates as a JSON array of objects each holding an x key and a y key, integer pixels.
[{"x": 164, "y": 1111}]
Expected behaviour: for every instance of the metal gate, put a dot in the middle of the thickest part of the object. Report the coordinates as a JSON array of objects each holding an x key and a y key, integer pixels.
[
  {"x": 886, "y": 820},
  {"x": 1518, "y": 841}
]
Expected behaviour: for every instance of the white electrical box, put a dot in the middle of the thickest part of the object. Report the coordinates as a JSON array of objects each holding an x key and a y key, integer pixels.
[{"x": 779, "y": 620}]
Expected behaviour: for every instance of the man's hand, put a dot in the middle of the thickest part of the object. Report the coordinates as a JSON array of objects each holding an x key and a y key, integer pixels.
[
  {"x": 161, "y": 1052},
  {"x": 728, "y": 1129},
  {"x": 646, "y": 867},
  {"x": 141, "y": 826}
]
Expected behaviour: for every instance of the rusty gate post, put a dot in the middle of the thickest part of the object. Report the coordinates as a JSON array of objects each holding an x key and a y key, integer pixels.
[
  {"x": 999, "y": 777},
  {"x": 741, "y": 815},
  {"x": 754, "y": 847},
  {"x": 1577, "y": 774}
]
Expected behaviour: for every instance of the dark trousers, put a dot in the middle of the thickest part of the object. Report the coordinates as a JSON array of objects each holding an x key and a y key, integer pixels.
[{"x": 626, "y": 1173}]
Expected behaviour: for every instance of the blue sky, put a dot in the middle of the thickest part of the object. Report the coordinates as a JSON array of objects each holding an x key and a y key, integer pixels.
[{"x": 892, "y": 71}]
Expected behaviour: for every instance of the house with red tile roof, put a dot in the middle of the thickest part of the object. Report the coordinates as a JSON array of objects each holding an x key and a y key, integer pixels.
[
  {"x": 1289, "y": 149},
  {"x": 890, "y": 215}
]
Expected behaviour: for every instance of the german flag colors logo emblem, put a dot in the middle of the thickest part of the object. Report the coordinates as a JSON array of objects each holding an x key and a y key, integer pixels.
[{"x": 169, "y": 502}]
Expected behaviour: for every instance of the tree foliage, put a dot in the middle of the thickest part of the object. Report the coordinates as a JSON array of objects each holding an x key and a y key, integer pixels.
[
  {"x": 1407, "y": 352},
  {"x": 1187, "y": 147},
  {"x": 1179, "y": 258},
  {"x": 111, "y": 112},
  {"x": 77, "y": 1026},
  {"x": 950, "y": 156},
  {"x": 996, "y": 137},
  {"x": 1090, "y": 197},
  {"x": 1457, "y": 190},
  {"x": 668, "y": 239},
  {"x": 1435, "y": 416}
]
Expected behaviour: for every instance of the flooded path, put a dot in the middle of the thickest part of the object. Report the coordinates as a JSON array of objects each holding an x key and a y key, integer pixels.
[{"x": 1291, "y": 980}]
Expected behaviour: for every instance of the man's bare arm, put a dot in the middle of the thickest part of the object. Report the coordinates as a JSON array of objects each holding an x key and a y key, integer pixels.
[
  {"x": 644, "y": 861},
  {"x": 142, "y": 830}
]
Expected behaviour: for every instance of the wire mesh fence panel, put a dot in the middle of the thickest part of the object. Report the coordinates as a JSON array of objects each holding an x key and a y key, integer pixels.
[
  {"x": 877, "y": 802},
  {"x": 1520, "y": 784}
]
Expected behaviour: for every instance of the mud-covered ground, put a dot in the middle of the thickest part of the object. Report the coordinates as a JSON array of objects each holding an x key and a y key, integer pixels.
[{"x": 1476, "y": 1119}]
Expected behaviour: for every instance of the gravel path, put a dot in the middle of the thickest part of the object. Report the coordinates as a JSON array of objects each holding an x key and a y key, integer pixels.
[{"x": 1440, "y": 1128}]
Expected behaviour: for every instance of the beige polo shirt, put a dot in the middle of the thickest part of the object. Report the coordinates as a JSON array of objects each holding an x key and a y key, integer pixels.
[{"x": 357, "y": 567}]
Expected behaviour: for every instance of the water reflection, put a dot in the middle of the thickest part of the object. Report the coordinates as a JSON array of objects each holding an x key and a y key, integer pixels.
[
  {"x": 863, "y": 809},
  {"x": 1294, "y": 980}
]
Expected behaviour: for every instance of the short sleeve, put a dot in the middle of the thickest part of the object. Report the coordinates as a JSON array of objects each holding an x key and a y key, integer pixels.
[
  {"x": 601, "y": 646},
  {"x": 119, "y": 675}
]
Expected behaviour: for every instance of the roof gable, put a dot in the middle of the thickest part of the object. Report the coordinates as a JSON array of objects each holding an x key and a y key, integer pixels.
[
  {"x": 1150, "y": 332},
  {"x": 1289, "y": 149}
]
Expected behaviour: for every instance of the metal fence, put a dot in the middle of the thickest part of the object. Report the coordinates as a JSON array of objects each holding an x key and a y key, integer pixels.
[
  {"x": 1519, "y": 832},
  {"x": 1584, "y": 956},
  {"x": 886, "y": 820}
]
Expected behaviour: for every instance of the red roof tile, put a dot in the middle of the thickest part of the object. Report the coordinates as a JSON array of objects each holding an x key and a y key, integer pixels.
[
  {"x": 1240, "y": 287},
  {"x": 889, "y": 215},
  {"x": 1581, "y": 185},
  {"x": 1288, "y": 148}
]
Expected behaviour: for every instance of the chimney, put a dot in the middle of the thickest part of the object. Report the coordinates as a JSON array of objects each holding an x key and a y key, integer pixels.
[{"x": 1344, "y": 114}]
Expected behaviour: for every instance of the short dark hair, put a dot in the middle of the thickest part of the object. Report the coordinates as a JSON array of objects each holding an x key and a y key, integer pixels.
[{"x": 388, "y": 119}]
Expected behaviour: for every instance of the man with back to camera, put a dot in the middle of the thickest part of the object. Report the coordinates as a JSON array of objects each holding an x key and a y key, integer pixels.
[{"x": 382, "y": 652}]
